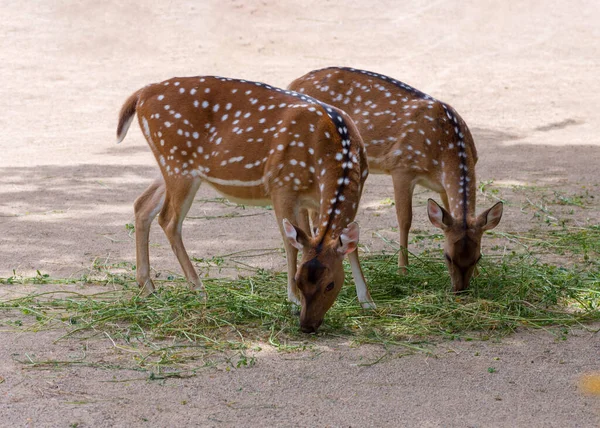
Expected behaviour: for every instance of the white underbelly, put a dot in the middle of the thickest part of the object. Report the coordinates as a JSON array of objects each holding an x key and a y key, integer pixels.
[
  {"x": 259, "y": 202},
  {"x": 430, "y": 184},
  {"x": 251, "y": 202}
]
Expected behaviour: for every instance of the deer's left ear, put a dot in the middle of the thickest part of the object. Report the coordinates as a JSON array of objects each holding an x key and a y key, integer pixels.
[
  {"x": 489, "y": 219},
  {"x": 295, "y": 235},
  {"x": 349, "y": 239},
  {"x": 438, "y": 216}
]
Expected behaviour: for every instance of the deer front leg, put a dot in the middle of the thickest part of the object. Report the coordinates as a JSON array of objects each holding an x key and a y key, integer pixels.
[
  {"x": 146, "y": 207},
  {"x": 444, "y": 197},
  {"x": 403, "y": 193},
  {"x": 304, "y": 221},
  {"x": 282, "y": 210},
  {"x": 314, "y": 221},
  {"x": 307, "y": 221},
  {"x": 179, "y": 198},
  {"x": 362, "y": 292},
  {"x": 291, "y": 255}
]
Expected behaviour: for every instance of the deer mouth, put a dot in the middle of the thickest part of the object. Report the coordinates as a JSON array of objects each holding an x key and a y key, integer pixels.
[{"x": 310, "y": 328}]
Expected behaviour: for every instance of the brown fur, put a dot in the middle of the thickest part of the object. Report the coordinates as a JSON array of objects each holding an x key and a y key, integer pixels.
[
  {"x": 253, "y": 143},
  {"x": 414, "y": 138}
]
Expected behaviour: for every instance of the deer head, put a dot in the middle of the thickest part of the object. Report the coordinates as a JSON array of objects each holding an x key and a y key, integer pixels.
[
  {"x": 320, "y": 274},
  {"x": 462, "y": 249}
]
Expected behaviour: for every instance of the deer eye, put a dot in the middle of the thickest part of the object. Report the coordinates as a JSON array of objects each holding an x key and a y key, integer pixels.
[{"x": 329, "y": 286}]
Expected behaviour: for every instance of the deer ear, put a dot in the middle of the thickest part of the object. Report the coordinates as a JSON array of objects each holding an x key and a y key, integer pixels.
[
  {"x": 349, "y": 239},
  {"x": 438, "y": 216},
  {"x": 295, "y": 235},
  {"x": 489, "y": 219}
]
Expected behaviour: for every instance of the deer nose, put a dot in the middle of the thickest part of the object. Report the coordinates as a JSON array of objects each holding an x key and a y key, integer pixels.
[
  {"x": 461, "y": 284},
  {"x": 307, "y": 329},
  {"x": 459, "y": 288},
  {"x": 310, "y": 328}
]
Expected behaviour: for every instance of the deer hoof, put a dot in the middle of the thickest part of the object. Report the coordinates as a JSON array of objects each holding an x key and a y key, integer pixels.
[
  {"x": 402, "y": 270},
  {"x": 199, "y": 288},
  {"x": 295, "y": 309},
  {"x": 368, "y": 305},
  {"x": 295, "y": 304},
  {"x": 146, "y": 288}
]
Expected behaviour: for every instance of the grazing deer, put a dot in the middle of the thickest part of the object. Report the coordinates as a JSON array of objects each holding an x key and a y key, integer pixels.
[
  {"x": 256, "y": 145},
  {"x": 417, "y": 140}
]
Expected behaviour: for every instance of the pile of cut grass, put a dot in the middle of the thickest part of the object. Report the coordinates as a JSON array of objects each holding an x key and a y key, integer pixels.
[{"x": 511, "y": 291}]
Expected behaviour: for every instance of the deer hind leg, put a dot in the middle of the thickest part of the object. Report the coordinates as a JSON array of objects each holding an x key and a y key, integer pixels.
[
  {"x": 146, "y": 207},
  {"x": 283, "y": 210},
  {"x": 179, "y": 197},
  {"x": 403, "y": 192}
]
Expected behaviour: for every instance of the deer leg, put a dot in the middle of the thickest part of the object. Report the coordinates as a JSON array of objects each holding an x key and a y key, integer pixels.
[
  {"x": 444, "y": 197},
  {"x": 291, "y": 253},
  {"x": 403, "y": 193},
  {"x": 179, "y": 198},
  {"x": 362, "y": 292},
  {"x": 304, "y": 219},
  {"x": 146, "y": 207},
  {"x": 314, "y": 221}
]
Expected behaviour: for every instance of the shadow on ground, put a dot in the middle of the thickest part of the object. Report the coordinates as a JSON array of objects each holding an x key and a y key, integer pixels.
[{"x": 60, "y": 219}]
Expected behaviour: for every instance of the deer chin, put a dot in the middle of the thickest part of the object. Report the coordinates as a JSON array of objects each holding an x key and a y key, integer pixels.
[
  {"x": 310, "y": 327},
  {"x": 460, "y": 282},
  {"x": 460, "y": 277}
]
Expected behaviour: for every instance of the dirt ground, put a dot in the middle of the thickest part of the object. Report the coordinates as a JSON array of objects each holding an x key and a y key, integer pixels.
[{"x": 524, "y": 75}]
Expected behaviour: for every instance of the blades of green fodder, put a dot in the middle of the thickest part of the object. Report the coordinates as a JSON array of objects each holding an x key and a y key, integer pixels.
[{"x": 511, "y": 290}]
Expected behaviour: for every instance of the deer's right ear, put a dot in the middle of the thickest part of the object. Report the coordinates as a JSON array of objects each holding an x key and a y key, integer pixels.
[
  {"x": 295, "y": 235},
  {"x": 438, "y": 216},
  {"x": 349, "y": 239},
  {"x": 490, "y": 218}
]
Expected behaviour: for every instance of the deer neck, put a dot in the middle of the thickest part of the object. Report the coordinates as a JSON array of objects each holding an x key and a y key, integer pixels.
[
  {"x": 341, "y": 172},
  {"x": 461, "y": 193},
  {"x": 336, "y": 210},
  {"x": 458, "y": 170}
]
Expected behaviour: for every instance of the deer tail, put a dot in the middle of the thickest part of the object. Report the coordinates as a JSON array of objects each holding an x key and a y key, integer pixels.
[{"x": 126, "y": 115}]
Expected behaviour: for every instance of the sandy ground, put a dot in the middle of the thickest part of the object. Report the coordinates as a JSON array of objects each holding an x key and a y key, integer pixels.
[{"x": 522, "y": 74}]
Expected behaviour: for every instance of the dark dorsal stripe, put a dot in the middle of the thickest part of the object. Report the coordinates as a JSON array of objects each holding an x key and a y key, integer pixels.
[
  {"x": 342, "y": 128},
  {"x": 395, "y": 82},
  {"x": 462, "y": 158}
]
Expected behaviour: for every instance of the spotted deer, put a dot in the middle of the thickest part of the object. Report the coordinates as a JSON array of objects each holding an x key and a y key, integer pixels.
[
  {"x": 417, "y": 140},
  {"x": 256, "y": 145}
]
